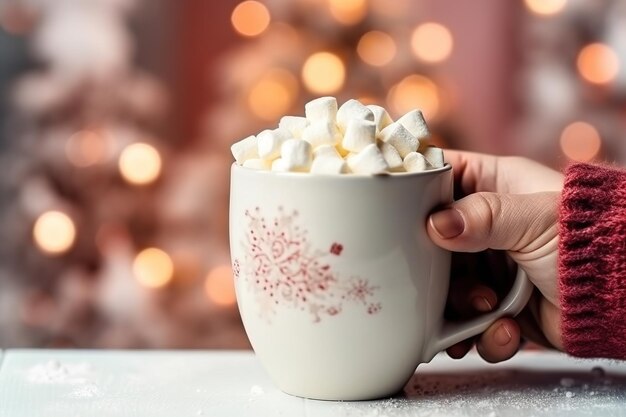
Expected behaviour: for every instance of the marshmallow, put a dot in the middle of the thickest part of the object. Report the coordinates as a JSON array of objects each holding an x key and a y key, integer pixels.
[
  {"x": 321, "y": 109},
  {"x": 328, "y": 165},
  {"x": 257, "y": 163},
  {"x": 342, "y": 151},
  {"x": 392, "y": 157},
  {"x": 369, "y": 161},
  {"x": 270, "y": 141},
  {"x": 326, "y": 151},
  {"x": 245, "y": 149},
  {"x": 321, "y": 133},
  {"x": 381, "y": 117},
  {"x": 359, "y": 134},
  {"x": 294, "y": 124},
  {"x": 280, "y": 165},
  {"x": 397, "y": 135},
  {"x": 350, "y": 110},
  {"x": 297, "y": 154},
  {"x": 414, "y": 122},
  {"x": 434, "y": 156},
  {"x": 415, "y": 162}
]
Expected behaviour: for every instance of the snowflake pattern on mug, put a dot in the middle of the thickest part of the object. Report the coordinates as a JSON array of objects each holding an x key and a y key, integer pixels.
[{"x": 283, "y": 269}]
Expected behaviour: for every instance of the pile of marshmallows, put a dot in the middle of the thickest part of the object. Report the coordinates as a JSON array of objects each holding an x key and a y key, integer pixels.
[{"x": 352, "y": 139}]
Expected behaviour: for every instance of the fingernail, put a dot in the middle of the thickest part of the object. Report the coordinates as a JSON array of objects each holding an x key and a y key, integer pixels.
[
  {"x": 447, "y": 223},
  {"x": 480, "y": 303},
  {"x": 502, "y": 336}
]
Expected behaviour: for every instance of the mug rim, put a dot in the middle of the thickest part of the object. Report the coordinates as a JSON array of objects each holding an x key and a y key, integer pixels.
[{"x": 341, "y": 177}]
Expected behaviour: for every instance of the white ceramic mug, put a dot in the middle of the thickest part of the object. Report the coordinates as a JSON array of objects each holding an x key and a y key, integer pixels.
[{"x": 340, "y": 289}]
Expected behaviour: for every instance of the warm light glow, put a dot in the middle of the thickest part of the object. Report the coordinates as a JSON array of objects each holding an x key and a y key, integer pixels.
[
  {"x": 545, "y": 7},
  {"x": 376, "y": 48},
  {"x": 396, "y": 9},
  {"x": 153, "y": 268},
  {"x": 273, "y": 95},
  {"x": 323, "y": 73},
  {"x": 431, "y": 42},
  {"x": 598, "y": 64},
  {"x": 250, "y": 18},
  {"x": 85, "y": 148},
  {"x": 580, "y": 141},
  {"x": 140, "y": 164},
  {"x": 348, "y": 12},
  {"x": 219, "y": 286},
  {"x": 367, "y": 99},
  {"x": 54, "y": 232},
  {"x": 415, "y": 92},
  {"x": 17, "y": 17}
]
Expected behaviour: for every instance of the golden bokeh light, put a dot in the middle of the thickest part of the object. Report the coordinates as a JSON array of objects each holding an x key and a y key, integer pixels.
[
  {"x": 250, "y": 18},
  {"x": 376, "y": 48},
  {"x": 396, "y": 9},
  {"x": 323, "y": 73},
  {"x": 153, "y": 268},
  {"x": 140, "y": 164},
  {"x": 54, "y": 232},
  {"x": 348, "y": 12},
  {"x": 86, "y": 148},
  {"x": 273, "y": 95},
  {"x": 545, "y": 7},
  {"x": 219, "y": 286},
  {"x": 580, "y": 141},
  {"x": 415, "y": 92},
  {"x": 431, "y": 42},
  {"x": 597, "y": 63}
]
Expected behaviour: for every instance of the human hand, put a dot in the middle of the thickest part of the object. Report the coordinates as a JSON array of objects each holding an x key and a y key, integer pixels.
[{"x": 509, "y": 204}]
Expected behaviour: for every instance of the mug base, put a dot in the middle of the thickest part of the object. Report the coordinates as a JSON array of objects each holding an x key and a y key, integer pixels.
[{"x": 346, "y": 396}]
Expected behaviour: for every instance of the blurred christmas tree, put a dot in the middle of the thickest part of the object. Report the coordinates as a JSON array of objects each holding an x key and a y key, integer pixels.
[
  {"x": 114, "y": 237},
  {"x": 109, "y": 245}
]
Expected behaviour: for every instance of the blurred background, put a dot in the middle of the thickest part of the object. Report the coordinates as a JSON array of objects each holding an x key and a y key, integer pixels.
[{"x": 116, "y": 118}]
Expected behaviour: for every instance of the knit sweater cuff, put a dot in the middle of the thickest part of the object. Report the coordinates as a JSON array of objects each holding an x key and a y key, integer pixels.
[{"x": 592, "y": 261}]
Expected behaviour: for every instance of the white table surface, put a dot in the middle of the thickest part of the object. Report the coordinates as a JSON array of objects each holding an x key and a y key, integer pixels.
[{"x": 72, "y": 383}]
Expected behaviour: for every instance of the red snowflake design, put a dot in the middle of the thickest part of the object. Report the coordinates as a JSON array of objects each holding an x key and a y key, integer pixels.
[
  {"x": 282, "y": 269},
  {"x": 336, "y": 249}
]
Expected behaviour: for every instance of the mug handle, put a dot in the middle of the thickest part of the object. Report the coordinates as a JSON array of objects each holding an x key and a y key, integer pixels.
[{"x": 512, "y": 305}]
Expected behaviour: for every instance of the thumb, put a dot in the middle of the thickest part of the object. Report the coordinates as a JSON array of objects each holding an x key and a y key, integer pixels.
[{"x": 513, "y": 222}]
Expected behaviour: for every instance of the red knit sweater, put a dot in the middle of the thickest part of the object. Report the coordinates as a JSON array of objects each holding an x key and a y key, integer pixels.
[{"x": 592, "y": 261}]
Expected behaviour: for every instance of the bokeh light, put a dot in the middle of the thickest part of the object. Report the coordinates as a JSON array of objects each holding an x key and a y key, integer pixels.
[
  {"x": 273, "y": 95},
  {"x": 598, "y": 64},
  {"x": 432, "y": 42},
  {"x": 415, "y": 92},
  {"x": 580, "y": 141},
  {"x": 17, "y": 18},
  {"x": 140, "y": 164},
  {"x": 376, "y": 48},
  {"x": 250, "y": 18},
  {"x": 54, "y": 232},
  {"x": 348, "y": 12},
  {"x": 219, "y": 286},
  {"x": 86, "y": 148},
  {"x": 396, "y": 9},
  {"x": 323, "y": 73},
  {"x": 153, "y": 268},
  {"x": 545, "y": 7}
]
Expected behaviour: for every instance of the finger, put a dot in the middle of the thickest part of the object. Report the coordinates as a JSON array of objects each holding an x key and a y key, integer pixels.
[
  {"x": 460, "y": 349},
  {"x": 482, "y": 298},
  {"x": 476, "y": 172},
  {"x": 473, "y": 172},
  {"x": 496, "y": 221},
  {"x": 468, "y": 301},
  {"x": 500, "y": 341}
]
